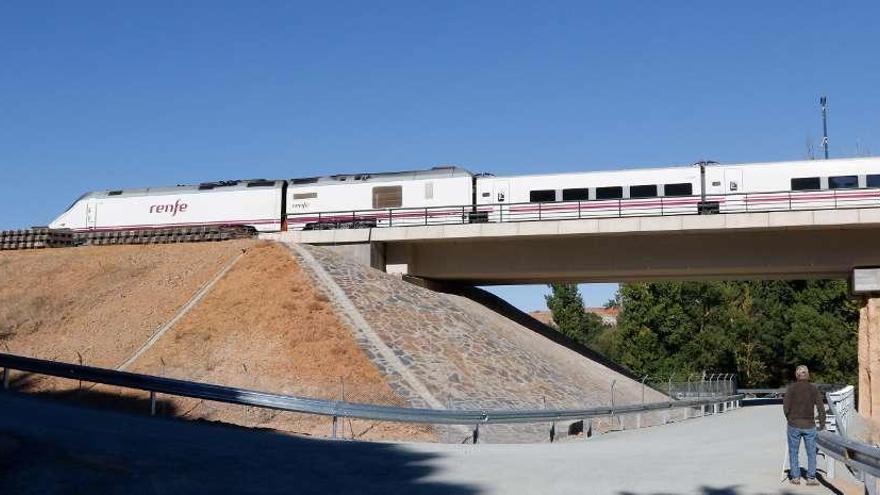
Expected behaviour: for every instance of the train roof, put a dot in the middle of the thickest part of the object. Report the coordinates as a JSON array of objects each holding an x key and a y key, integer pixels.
[
  {"x": 223, "y": 185},
  {"x": 442, "y": 172},
  {"x": 831, "y": 161}
]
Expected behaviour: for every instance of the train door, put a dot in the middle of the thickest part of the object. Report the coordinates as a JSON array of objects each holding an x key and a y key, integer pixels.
[
  {"x": 91, "y": 213},
  {"x": 735, "y": 200},
  {"x": 500, "y": 190},
  {"x": 733, "y": 180}
]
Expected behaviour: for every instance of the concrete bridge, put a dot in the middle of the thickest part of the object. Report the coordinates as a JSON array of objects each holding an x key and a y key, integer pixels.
[{"x": 782, "y": 244}]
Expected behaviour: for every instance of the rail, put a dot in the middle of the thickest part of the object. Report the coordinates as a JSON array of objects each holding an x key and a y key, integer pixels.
[
  {"x": 587, "y": 209},
  {"x": 855, "y": 454},
  {"x": 842, "y": 443},
  {"x": 335, "y": 409}
]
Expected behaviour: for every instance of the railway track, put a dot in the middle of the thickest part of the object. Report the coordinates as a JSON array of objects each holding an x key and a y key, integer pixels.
[{"x": 44, "y": 237}]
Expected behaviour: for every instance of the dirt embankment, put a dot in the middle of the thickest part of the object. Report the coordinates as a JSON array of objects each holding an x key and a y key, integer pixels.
[
  {"x": 262, "y": 326},
  {"x": 100, "y": 303}
]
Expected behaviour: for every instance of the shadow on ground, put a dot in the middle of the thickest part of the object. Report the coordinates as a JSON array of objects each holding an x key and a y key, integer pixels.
[
  {"x": 735, "y": 490},
  {"x": 708, "y": 490},
  {"x": 48, "y": 447}
]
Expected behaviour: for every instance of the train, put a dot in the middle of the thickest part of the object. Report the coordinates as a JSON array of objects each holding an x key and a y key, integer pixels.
[{"x": 451, "y": 194}]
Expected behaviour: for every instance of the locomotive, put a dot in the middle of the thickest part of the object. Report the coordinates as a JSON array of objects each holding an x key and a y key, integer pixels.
[{"x": 450, "y": 194}]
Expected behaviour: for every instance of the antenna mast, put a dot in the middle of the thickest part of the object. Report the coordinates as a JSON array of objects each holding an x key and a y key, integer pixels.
[{"x": 823, "y": 101}]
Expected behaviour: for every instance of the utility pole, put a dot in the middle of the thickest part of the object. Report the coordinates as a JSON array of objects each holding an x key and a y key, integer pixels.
[{"x": 823, "y": 101}]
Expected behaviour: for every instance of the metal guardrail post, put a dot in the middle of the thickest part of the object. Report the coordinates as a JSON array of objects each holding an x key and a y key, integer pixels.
[
  {"x": 333, "y": 428},
  {"x": 5, "y": 378},
  {"x": 613, "y": 382},
  {"x": 476, "y": 434},
  {"x": 552, "y": 423},
  {"x": 644, "y": 379},
  {"x": 152, "y": 403}
]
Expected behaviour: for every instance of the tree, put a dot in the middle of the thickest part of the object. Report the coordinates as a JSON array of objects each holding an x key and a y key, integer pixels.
[
  {"x": 567, "y": 306},
  {"x": 760, "y": 329}
]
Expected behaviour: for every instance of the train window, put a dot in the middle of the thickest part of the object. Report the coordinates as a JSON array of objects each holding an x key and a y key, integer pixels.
[
  {"x": 261, "y": 183},
  {"x": 580, "y": 194},
  {"x": 387, "y": 197},
  {"x": 429, "y": 190},
  {"x": 843, "y": 182},
  {"x": 805, "y": 183},
  {"x": 542, "y": 196},
  {"x": 643, "y": 191},
  {"x": 615, "y": 192},
  {"x": 872, "y": 181},
  {"x": 114, "y": 193},
  {"x": 305, "y": 180},
  {"x": 682, "y": 189},
  {"x": 309, "y": 195}
]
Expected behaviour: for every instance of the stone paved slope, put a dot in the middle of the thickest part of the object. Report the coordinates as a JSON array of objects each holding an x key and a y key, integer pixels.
[{"x": 466, "y": 355}]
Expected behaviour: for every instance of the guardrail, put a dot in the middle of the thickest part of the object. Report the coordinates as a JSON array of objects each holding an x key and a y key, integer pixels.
[
  {"x": 337, "y": 409},
  {"x": 858, "y": 455},
  {"x": 840, "y": 444},
  {"x": 605, "y": 208}
]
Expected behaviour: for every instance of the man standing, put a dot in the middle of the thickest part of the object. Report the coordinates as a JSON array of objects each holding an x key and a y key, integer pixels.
[{"x": 802, "y": 400}]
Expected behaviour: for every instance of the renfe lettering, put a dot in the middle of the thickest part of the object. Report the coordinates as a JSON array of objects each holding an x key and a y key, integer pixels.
[{"x": 173, "y": 209}]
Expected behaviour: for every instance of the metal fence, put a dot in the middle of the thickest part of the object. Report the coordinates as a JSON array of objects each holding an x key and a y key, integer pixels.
[
  {"x": 717, "y": 398},
  {"x": 614, "y": 208},
  {"x": 694, "y": 385}
]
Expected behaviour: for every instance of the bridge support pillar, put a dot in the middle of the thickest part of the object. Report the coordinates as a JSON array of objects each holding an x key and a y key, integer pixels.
[
  {"x": 865, "y": 282},
  {"x": 869, "y": 357}
]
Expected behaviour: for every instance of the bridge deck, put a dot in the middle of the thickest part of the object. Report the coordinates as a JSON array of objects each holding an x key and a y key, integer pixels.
[{"x": 51, "y": 447}]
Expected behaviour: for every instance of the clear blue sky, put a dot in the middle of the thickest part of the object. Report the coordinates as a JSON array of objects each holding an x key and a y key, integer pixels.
[{"x": 121, "y": 94}]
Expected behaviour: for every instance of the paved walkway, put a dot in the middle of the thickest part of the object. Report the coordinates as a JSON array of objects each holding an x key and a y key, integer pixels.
[{"x": 47, "y": 447}]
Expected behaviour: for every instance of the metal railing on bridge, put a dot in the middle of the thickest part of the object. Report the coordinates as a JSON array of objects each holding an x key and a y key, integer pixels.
[
  {"x": 588, "y": 209},
  {"x": 717, "y": 397}
]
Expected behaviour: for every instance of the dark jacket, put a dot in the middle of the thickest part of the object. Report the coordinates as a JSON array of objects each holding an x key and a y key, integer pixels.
[{"x": 802, "y": 399}]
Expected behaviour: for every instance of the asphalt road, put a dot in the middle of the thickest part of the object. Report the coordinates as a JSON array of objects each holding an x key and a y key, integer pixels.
[{"x": 49, "y": 447}]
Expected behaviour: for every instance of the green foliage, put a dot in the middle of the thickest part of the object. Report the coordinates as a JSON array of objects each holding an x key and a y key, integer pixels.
[
  {"x": 761, "y": 329},
  {"x": 567, "y": 306}
]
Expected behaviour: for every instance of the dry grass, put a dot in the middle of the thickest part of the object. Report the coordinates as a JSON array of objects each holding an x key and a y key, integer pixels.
[{"x": 99, "y": 303}]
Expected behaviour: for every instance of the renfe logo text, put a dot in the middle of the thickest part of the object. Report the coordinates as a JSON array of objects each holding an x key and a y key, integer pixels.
[{"x": 173, "y": 209}]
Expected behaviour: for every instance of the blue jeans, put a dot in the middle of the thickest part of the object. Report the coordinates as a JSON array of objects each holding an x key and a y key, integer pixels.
[{"x": 794, "y": 444}]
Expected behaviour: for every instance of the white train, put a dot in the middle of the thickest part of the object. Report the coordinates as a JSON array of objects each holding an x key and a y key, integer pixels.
[{"x": 445, "y": 195}]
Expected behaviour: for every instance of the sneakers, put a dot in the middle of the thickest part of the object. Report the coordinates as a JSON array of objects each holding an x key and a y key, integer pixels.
[
  {"x": 812, "y": 481},
  {"x": 794, "y": 481}
]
